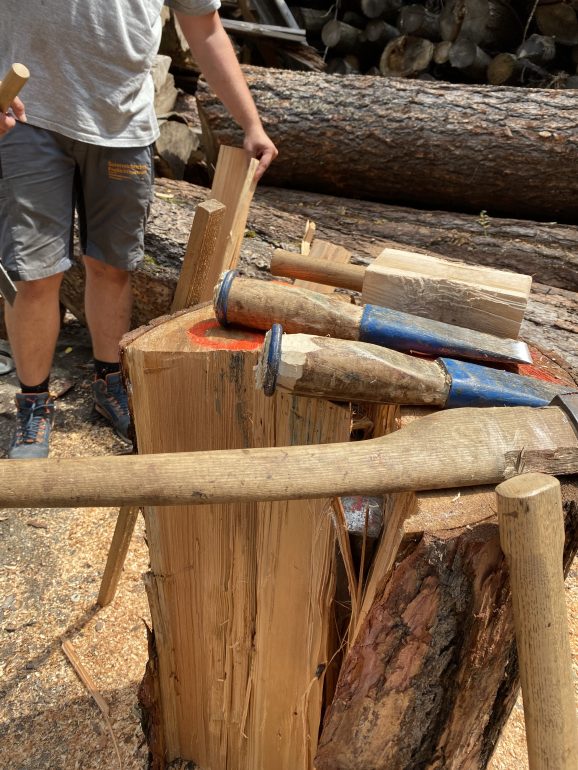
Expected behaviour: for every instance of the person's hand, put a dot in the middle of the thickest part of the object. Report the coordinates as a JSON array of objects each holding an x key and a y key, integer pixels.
[
  {"x": 8, "y": 121},
  {"x": 259, "y": 146}
]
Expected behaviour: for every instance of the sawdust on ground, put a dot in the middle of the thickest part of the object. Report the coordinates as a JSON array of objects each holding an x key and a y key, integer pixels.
[{"x": 51, "y": 563}]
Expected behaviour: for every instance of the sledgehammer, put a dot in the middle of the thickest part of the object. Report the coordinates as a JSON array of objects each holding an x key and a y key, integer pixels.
[
  {"x": 454, "y": 448},
  {"x": 260, "y": 304},
  {"x": 532, "y": 537},
  {"x": 345, "y": 370}
]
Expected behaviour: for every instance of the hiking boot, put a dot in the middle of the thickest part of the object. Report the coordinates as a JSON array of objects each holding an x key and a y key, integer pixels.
[
  {"x": 35, "y": 417},
  {"x": 111, "y": 401}
]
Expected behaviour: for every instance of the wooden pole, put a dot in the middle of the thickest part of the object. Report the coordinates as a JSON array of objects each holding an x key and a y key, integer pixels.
[
  {"x": 458, "y": 447},
  {"x": 532, "y": 537}
]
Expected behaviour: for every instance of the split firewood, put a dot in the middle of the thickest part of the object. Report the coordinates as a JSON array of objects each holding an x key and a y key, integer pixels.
[{"x": 164, "y": 84}]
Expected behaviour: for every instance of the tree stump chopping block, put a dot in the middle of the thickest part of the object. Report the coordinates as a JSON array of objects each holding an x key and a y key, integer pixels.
[
  {"x": 240, "y": 594},
  {"x": 431, "y": 672}
]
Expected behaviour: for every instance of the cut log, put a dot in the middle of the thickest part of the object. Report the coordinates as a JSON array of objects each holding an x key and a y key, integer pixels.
[
  {"x": 240, "y": 594},
  {"x": 348, "y": 65},
  {"x": 433, "y": 671},
  {"x": 547, "y": 251},
  {"x": 340, "y": 37},
  {"x": 406, "y": 56},
  {"x": 176, "y": 148},
  {"x": 558, "y": 20},
  {"x": 489, "y": 23},
  {"x": 374, "y": 9},
  {"x": 380, "y": 32},
  {"x": 441, "y": 53},
  {"x": 418, "y": 21},
  {"x": 538, "y": 49},
  {"x": 508, "y": 68},
  {"x": 312, "y": 19},
  {"x": 469, "y": 58},
  {"x": 422, "y": 143}
]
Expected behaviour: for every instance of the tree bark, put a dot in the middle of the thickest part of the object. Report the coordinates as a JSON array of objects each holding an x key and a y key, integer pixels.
[
  {"x": 462, "y": 148},
  {"x": 431, "y": 672}
]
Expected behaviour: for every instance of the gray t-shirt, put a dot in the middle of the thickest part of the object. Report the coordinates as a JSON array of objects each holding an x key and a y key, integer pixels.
[{"x": 89, "y": 63}]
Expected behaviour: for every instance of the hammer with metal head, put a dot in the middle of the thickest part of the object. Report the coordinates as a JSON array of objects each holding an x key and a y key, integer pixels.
[
  {"x": 260, "y": 304},
  {"x": 348, "y": 370}
]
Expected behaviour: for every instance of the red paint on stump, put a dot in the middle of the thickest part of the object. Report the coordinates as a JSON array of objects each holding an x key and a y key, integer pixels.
[{"x": 210, "y": 334}]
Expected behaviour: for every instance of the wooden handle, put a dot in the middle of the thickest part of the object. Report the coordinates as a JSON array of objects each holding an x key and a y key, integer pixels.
[
  {"x": 290, "y": 265},
  {"x": 460, "y": 447},
  {"x": 347, "y": 370},
  {"x": 260, "y": 304},
  {"x": 10, "y": 86},
  {"x": 532, "y": 536}
]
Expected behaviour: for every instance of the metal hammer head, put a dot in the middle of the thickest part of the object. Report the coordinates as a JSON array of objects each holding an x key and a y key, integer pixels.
[{"x": 568, "y": 402}]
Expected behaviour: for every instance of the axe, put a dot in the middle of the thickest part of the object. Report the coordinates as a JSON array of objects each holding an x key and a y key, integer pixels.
[
  {"x": 454, "y": 448},
  {"x": 345, "y": 370},
  {"x": 260, "y": 304},
  {"x": 10, "y": 87}
]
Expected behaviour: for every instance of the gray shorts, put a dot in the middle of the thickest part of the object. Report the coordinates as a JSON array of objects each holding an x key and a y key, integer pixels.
[{"x": 45, "y": 177}]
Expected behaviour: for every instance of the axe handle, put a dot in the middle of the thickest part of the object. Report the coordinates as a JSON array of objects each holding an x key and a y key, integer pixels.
[
  {"x": 460, "y": 447},
  {"x": 532, "y": 537},
  {"x": 344, "y": 276},
  {"x": 10, "y": 86}
]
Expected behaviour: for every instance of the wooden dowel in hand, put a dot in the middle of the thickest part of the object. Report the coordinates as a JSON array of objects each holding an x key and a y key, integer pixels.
[
  {"x": 13, "y": 81},
  {"x": 532, "y": 536}
]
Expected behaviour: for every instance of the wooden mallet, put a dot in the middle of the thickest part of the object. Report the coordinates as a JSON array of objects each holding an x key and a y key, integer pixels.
[
  {"x": 532, "y": 537},
  {"x": 482, "y": 298}
]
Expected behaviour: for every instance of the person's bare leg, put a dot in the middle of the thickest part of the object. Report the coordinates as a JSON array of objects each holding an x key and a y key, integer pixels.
[
  {"x": 108, "y": 306},
  {"x": 33, "y": 325}
]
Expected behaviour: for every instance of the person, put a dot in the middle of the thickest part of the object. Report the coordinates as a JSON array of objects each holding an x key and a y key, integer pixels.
[{"x": 84, "y": 141}]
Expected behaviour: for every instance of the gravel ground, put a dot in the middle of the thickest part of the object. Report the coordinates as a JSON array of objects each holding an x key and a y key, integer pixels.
[{"x": 51, "y": 563}]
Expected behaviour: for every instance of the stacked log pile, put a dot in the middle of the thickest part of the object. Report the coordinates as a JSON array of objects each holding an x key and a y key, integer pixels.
[
  {"x": 500, "y": 42},
  {"x": 483, "y": 41}
]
